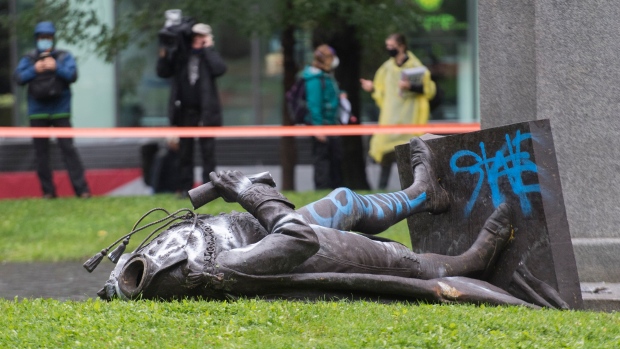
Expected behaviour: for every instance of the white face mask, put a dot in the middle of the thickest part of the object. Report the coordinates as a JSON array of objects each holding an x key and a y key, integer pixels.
[{"x": 335, "y": 62}]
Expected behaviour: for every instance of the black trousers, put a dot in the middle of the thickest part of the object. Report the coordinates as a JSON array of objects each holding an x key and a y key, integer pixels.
[
  {"x": 327, "y": 159},
  {"x": 70, "y": 158},
  {"x": 191, "y": 118}
]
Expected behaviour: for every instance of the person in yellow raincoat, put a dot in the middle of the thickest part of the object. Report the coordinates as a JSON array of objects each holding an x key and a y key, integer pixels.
[{"x": 401, "y": 102}]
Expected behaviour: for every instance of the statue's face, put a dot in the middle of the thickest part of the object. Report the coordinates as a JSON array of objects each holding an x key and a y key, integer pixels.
[{"x": 160, "y": 269}]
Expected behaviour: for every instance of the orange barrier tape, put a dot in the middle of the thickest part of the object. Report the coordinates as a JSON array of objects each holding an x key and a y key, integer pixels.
[{"x": 233, "y": 131}]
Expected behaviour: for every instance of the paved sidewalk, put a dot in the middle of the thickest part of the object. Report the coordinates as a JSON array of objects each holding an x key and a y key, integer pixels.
[
  {"x": 601, "y": 296},
  {"x": 70, "y": 281},
  {"x": 62, "y": 280}
]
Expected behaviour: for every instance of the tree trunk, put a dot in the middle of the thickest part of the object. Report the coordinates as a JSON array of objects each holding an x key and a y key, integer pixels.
[
  {"x": 344, "y": 41},
  {"x": 288, "y": 149}
]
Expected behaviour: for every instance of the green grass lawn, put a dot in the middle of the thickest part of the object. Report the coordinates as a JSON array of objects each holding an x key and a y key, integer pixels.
[
  {"x": 258, "y": 324},
  {"x": 73, "y": 229}
]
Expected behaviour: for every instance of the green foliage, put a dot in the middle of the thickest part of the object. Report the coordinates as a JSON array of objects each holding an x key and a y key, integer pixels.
[
  {"x": 76, "y": 21},
  {"x": 7, "y": 100},
  {"x": 75, "y": 229},
  {"x": 137, "y": 22},
  {"x": 42, "y": 323}
]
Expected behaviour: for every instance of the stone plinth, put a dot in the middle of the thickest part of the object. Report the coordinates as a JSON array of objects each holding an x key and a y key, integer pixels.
[{"x": 515, "y": 164}]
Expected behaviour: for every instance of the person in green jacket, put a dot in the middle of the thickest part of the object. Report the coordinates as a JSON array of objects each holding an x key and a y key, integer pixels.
[{"x": 322, "y": 101}]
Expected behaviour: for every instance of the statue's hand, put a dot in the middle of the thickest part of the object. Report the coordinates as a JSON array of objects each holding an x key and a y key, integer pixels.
[
  {"x": 229, "y": 184},
  {"x": 537, "y": 291}
]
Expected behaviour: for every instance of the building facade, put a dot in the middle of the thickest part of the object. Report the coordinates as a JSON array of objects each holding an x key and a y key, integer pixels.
[{"x": 128, "y": 93}]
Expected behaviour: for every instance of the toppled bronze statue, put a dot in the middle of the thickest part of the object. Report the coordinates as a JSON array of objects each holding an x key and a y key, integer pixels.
[{"x": 274, "y": 251}]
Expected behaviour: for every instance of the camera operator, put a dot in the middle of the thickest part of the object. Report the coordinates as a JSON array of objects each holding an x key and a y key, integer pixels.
[{"x": 194, "y": 101}]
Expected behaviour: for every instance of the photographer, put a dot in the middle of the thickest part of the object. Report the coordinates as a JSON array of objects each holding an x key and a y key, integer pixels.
[
  {"x": 48, "y": 72},
  {"x": 189, "y": 59}
]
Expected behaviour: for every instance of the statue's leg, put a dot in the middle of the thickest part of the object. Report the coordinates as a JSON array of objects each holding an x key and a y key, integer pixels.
[
  {"x": 479, "y": 257},
  {"x": 344, "y": 209}
]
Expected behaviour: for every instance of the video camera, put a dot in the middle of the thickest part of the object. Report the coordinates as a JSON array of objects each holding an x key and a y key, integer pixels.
[{"x": 176, "y": 35}]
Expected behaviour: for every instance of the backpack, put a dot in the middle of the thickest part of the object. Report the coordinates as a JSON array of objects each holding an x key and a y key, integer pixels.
[
  {"x": 46, "y": 86},
  {"x": 296, "y": 103}
]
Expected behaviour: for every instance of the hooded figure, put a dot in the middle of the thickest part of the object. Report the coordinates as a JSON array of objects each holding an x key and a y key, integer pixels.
[
  {"x": 49, "y": 72},
  {"x": 51, "y": 99}
]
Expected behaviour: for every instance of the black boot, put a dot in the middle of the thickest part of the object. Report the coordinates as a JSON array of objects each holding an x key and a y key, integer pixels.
[
  {"x": 479, "y": 258},
  {"x": 424, "y": 175},
  {"x": 494, "y": 234}
]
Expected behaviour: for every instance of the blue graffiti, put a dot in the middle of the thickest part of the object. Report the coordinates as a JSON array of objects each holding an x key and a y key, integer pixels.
[
  {"x": 508, "y": 162},
  {"x": 374, "y": 205}
]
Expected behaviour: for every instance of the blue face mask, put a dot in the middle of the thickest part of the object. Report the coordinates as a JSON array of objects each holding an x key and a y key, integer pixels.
[{"x": 44, "y": 44}]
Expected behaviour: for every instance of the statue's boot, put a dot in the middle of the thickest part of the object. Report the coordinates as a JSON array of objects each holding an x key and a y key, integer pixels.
[
  {"x": 480, "y": 257},
  {"x": 492, "y": 238},
  {"x": 425, "y": 180}
]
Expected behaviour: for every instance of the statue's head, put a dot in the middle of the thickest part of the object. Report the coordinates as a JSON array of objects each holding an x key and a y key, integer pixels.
[{"x": 170, "y": 266}]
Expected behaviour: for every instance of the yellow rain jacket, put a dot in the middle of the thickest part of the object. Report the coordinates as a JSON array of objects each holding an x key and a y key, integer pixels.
[{"x": 398, "y": 108}]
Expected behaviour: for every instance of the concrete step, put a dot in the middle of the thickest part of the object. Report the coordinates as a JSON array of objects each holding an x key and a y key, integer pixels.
[
  {"x": 598, "y": 265},
  {"x": 598, "y": 259},
  {"x": 601, "y": 296}
]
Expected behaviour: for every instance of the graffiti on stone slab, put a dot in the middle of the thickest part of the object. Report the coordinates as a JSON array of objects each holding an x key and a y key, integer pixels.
[{"x": 509, "y": 162}]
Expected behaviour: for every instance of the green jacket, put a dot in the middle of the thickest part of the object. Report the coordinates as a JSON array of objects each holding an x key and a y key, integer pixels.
[{"x": 322, "y": 96}]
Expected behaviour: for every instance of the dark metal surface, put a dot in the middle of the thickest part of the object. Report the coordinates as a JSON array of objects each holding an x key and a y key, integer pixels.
[
  {"x": 224, "y": 256},
  {"x": 207, "y": 192}
]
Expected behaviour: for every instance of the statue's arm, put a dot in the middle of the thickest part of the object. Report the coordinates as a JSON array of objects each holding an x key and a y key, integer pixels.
[{"x": 291, "y": 241}]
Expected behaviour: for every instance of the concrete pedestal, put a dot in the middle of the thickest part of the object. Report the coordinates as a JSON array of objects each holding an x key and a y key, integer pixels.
[{"x": 558, "y": 60}]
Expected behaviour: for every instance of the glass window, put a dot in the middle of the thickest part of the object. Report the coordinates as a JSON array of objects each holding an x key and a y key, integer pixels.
[
  {"x": 446, "y": 43},
  {"x": 251, "y": 91}
]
